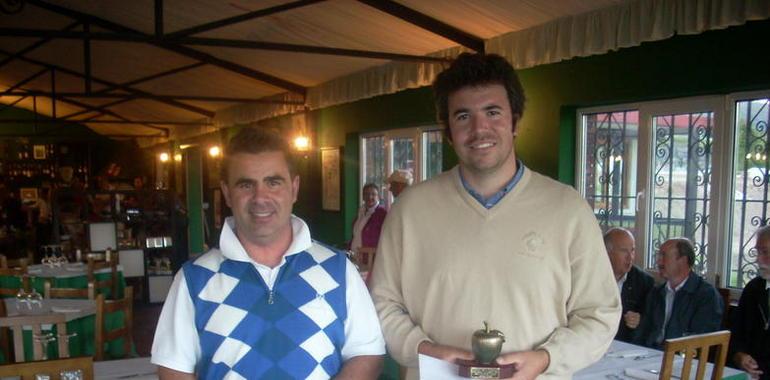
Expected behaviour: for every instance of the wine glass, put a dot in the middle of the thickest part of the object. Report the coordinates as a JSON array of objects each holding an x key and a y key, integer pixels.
[{"x": 34, "y": 297}]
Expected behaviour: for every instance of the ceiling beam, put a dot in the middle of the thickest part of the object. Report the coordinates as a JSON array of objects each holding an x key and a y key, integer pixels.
[
  {"x": 132, "y": 90},
  {"x": 34, "y": 46},
  {"x": 9, "y": 105},
  {"x": 159, "y": 122},
  {"x": 189, "y": 52},
  {"x": 220, "y": 42},
  {"x": 428, "y": 23},
  {"x": 158, "y": 18},
  {"x": 106, "y": 112},
  {"x": 154, "y": 76},
  {"x": 30, "y": 78},
  {"x": 241, "y": 18},
  {"x": 155, "y": 96}
]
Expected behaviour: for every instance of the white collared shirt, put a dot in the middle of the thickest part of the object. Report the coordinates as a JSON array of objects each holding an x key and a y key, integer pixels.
[
  {"x": 670, "y": 295},
  {"x": 358, "y": 227},
  {"x": 621, "y": 282}
]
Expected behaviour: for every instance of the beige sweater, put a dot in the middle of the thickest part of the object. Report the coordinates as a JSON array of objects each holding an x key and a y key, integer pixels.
[{"x": 534, "y": 266}]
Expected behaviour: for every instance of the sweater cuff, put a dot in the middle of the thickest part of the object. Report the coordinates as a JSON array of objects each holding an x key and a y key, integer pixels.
[{"x": 411, "y": 345}]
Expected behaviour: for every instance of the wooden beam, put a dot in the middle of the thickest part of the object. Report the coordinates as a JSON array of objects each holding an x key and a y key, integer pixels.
[
  {"x": 159, "y": 122},
  {"x": 203, "y": 98},
  {"x": 428, "y": 23},
  {"x": 241, "y": 18},
  {"x": 34, "y": 46},
  {"x": 188, "y": 52},
  {"x": 132, "y": 90}
]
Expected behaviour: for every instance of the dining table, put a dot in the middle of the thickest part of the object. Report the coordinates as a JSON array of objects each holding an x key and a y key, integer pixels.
[
  {"x": 626, "y": 361},
  {"x": 64, "y": 275},
  {"x": 622, "y": 361},
  {"x": 80, "y": 315},
  {"x": 133, "y": 368}
]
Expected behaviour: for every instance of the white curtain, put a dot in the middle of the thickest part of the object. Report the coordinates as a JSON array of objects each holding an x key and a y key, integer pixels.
[{"x": 624, "y": 25}]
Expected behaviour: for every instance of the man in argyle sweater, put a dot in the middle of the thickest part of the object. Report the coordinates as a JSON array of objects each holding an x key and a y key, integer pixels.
[{"x": 269, "y": 303}]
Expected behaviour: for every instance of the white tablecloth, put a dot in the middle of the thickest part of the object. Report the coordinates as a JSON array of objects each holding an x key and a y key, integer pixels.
[
  {"x": 134, "y": 369},
  {"x": 640, "y": 363},
  {"x": 65, "y": 271},
  {"x": 71, "y": 308}
]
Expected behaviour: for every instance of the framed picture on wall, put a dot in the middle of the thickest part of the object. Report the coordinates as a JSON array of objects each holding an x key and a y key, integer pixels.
[
  {"x": 330, "y": 179},
  {"x": 38, "y": 152}
]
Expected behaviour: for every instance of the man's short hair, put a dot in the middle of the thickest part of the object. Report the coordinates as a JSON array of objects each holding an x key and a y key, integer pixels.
[
  {"x": 477, "y": 70},
  {"x": 684, "y": 247},
  {"x": 254, "y": 140}
]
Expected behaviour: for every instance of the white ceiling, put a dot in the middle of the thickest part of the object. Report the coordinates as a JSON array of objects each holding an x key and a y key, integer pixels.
[{"x": 345, "y": 24}]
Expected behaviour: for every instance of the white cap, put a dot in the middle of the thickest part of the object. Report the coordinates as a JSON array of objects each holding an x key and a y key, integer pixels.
[{"x": 401, "y": 175}]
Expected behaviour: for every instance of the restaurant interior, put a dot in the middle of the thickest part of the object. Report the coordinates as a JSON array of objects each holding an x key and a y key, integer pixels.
[{"x": 114, "y": 115}]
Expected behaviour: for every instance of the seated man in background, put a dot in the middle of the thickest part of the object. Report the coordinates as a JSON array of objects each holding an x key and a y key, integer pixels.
[
  {"x": 750, "y": 340},
  {"x": 683, "y": 305},
  {"x": 633, "y": 283}
]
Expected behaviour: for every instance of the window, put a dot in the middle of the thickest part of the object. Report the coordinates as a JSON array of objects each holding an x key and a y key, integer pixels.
[
  {"x": 415, "y": 149},
  {"x": 693, "y": 167}
]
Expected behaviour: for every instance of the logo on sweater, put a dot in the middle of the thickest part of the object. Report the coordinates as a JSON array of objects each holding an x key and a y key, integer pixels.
[{"x": 532, "y": 244}]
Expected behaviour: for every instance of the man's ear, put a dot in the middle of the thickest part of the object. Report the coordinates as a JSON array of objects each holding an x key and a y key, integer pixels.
[
  {"x": 448, "y": 134},
  {"x": 225, "y": 192},
  {"x": 295, "y": 187},
  {"x": 515, "y": 123}
]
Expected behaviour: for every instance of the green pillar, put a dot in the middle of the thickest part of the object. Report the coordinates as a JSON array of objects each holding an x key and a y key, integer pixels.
[{"x": 194, "y": 200}]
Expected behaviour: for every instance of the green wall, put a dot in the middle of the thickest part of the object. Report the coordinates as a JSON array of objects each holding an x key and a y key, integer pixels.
[{"x": 709, "y": 63}]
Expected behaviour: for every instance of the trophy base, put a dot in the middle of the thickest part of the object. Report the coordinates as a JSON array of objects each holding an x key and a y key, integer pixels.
[{"x": 472, "y": 369}]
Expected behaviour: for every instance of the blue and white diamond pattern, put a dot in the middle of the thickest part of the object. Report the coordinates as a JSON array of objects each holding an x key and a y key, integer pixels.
[
  {"x": 224, "y": 319},
  {"x": 319, "y": 311},
  {"x": 319, "y": 279},
  {"x": 318, "y": 374},
  {"x": 230, "y": 352},
  {"x": 318, "y": 346},
  {"x": 232, "y": 375},
  {"x": 218, "y": 287}
]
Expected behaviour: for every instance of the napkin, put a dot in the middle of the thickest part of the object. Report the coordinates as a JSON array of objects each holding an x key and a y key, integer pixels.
[
  {"x": 627, "y": 353},
  {"x": 64, "y": 309},
  {"x": 640, "y": 374},
  {"x": 34, "y": 270}
]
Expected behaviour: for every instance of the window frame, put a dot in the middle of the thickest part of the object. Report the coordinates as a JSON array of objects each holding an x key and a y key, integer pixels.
[{"x": 416, "y": 134}]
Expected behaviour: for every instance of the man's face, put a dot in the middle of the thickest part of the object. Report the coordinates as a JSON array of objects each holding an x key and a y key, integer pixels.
[
  {"x": 670, "y": 264},
  {"x": 261, "y": 192},
  {"x": 371, "y": 197},
  {"x": 622, "y": 254},
  {"x": 763, "y": 256},
  {"x": 481, "y": 125}
]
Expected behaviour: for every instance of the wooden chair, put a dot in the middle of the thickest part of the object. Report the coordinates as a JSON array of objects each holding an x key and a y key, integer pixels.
[
  {"x": 17, "y": 323},
  {"x": 696, "y": 345},
  {"x": 87, "y": 292},
  {"x": 53, "y": 368},
  {"x": 111, "y": 282},
  {"x": 14, "y": 272},
  {"x": 126, "y": 304},
  {"x": 15, "y": 263}
]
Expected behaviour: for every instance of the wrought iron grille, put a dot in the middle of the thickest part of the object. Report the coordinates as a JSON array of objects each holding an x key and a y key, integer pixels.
[
  {"x": 682, "y": 182},
  {"x": 610, "y": 167},
  {"x": 750, "y": 207}
]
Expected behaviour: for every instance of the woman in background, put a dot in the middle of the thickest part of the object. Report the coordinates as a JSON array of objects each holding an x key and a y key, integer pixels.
[{"x": 368, "y": 223}]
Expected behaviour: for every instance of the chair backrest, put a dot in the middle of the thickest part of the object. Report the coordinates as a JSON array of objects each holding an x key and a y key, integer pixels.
[
  {"x": 53, "y": 368},
  {"x": 696, "y": 345},
  {"x": 17, "y": 323},
  {"x": 125, "y": 304},
  {"x": 112, "y": 279},
  {"x": 87, "y": 292},
  {"x": 14, "y": 272},
  {"x": 15, "y": 263}
]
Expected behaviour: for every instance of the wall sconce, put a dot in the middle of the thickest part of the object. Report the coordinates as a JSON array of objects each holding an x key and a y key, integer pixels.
[
  {"x": 214, "y": 151},
  {"x": 302, "y": 144},
  {"x": 178, "y": 157},
  {"x": 163, "y": 157}
]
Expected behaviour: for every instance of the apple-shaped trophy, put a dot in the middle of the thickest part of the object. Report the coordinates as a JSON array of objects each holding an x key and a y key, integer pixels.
[{"x": 486, "y": 345}]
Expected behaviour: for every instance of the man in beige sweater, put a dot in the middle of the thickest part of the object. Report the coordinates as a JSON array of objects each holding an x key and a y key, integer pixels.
[{"x": 491, "y": 240}]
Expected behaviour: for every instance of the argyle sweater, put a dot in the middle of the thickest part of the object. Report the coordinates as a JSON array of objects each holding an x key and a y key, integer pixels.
[{"x": 295, "y": 331}]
